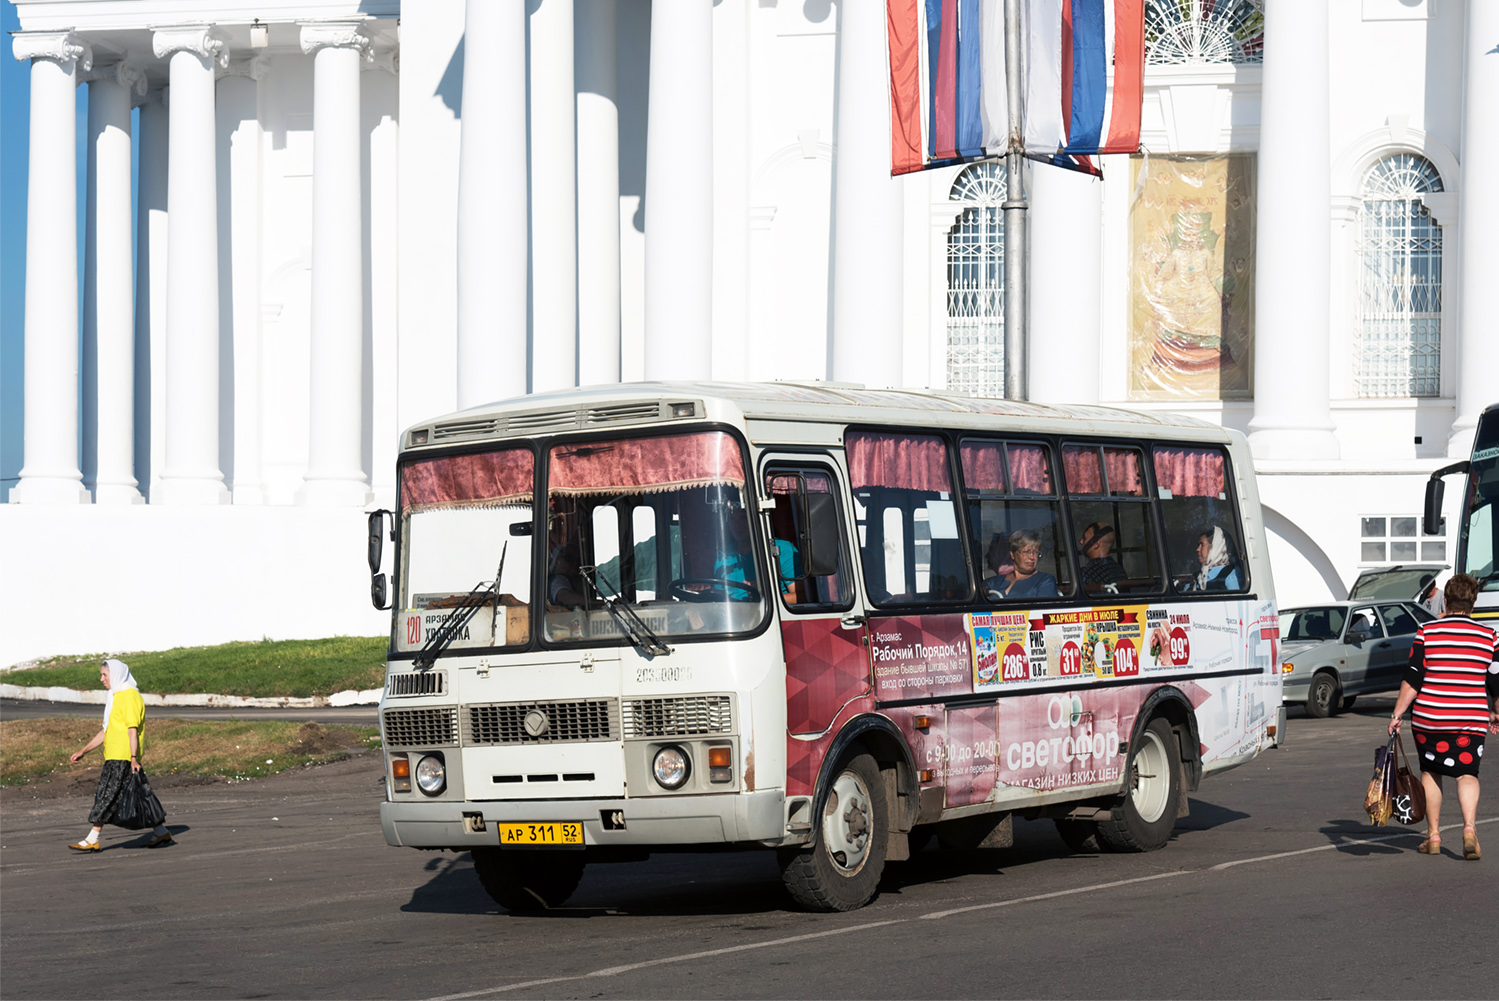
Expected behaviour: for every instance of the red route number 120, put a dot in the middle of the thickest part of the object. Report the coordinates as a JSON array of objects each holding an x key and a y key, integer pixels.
[{"x": 414, "y": 630}]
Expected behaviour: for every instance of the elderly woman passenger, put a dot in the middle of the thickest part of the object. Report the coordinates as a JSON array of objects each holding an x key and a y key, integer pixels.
[{"x": 1025, "y": 580}]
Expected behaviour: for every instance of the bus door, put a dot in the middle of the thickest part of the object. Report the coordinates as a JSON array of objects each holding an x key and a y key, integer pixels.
[{"x": 822, "y": 626}]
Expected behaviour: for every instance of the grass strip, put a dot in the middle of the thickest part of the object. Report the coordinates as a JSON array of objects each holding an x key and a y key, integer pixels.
[
  {"x": 263, "y": 669},
  {"x": 234, "y": 750}
]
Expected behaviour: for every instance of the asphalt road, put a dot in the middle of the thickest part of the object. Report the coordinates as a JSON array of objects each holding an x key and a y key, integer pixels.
[
  {"x": 1274, "y": 887},
  {"x": 350, "y": 715}
]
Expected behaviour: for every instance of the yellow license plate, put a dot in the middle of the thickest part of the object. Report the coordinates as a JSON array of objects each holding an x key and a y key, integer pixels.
[{"x": 524, "y": 835}]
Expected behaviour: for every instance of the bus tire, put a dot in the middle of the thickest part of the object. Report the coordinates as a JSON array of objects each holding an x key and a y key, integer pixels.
[
  {"x": 1144, "y": 820},
  {"x": 1324, "y": 696},
  {"x": 840, "y": 870},
  {"x": 528, "y": 880},
  {"x": 1079, "y": 835}
]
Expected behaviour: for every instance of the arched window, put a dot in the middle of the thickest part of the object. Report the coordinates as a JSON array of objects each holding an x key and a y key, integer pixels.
[
  {"x": 1196, "y": 32},
  {"x": 976, "y": 284},
  {"x": 1398, "y": 340}
]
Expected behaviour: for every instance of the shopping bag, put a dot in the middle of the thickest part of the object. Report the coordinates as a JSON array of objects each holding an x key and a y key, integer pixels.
[
  {"x": 1410, "y": 797},
  {"x": 138, "y": 808},
  {"x": 1379, "y": 798}
]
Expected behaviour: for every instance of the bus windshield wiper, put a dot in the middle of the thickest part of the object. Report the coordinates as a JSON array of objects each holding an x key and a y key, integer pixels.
[
  {"x": 470, "y": 604},
  {"x": 630, "y": 624}
]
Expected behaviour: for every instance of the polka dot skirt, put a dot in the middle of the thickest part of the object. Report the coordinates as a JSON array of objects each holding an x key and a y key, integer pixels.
[{"x": 1449, "y": 752}]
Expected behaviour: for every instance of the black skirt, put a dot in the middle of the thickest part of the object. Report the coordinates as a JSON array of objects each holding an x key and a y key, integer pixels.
[
  {"x": 111, "y": 782},
  {"x": 1449, "y": 752}
]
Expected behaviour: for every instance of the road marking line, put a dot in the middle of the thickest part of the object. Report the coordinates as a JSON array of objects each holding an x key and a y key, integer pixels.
[
  {"x": 706, "y": 954},
  {"x": 1336, "y": 844},
  {"x": 1057, "y": 893}
]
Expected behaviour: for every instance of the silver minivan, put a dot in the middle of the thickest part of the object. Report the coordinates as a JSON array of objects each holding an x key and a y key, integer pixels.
[{"x": 1332, "y": 653}]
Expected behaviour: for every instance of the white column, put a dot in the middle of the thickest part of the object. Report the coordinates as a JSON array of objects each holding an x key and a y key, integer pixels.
[
  {"x": 108, "y": 320},
  {"x": 868, "y": 214},
  {"x": 1292, "y": 417},
  {"x": 50, "y": 473},
  {"x": 554, "y": 207},
  {"x": 192, "y": 474},
  {"x": 1066, "y": 277},
  {"x": 598, "y": 195},
  {"x": 1478, "y": 208},
  {"x": 382, "y": 299},
  {"x": 492, "y": 217},
  {"x": 151, "y": 291},
  {"x": 679, "y": 193},
  {"x": 237, "y": 117},
  {"x": 335, "y": 474}
]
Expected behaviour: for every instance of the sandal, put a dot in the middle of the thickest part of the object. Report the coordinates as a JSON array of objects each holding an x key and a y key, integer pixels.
[
  {"x": 1431, "y": 846},
  {"x": 1471, "y": 851}
]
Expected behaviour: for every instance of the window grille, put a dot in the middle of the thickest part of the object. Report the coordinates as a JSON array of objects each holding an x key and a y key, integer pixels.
[
  {"x": 1398, "y": 337},
  {"x": 976, "y": 284},
  {"x": 1198, "y": 32},
  {"x": 1398, "y": 539}
]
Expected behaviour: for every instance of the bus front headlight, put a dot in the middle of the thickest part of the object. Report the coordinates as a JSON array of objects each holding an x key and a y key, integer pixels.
[
  {"x": 671, "y": 767},
  {"x": 431, "y": 774}
]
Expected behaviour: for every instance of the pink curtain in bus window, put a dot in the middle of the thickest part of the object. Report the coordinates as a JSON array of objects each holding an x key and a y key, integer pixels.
[
  {"x": 1029, "y": 469},
  {"x": 1125, "y": 475},
  {"x": 817, "y": 483},
  {"x": 646, "y": 465},
  {"x": 982, "y": 468},
  {"x": 482, "y": 479},
  {"x": 1083, "y": 473},
  {"x": 1190, "y": 472},
  {"x": 901, "y": 461}
]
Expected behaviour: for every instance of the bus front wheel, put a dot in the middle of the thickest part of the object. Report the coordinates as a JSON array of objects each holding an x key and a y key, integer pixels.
[
  {"x": 841, "y": 869},
  {"x": 1143, "y": 822},
  {"x": 528, "y": 880}
]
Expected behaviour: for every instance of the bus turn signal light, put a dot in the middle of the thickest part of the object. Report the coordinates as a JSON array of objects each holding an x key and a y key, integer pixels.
[
  {"x": 718, "y": 757},
  {"x": 720, "y": 762},
  {"x": 400, "y": 773}
]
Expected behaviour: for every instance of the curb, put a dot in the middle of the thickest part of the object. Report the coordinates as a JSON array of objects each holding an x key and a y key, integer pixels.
[{"x": 350, "y": 697}]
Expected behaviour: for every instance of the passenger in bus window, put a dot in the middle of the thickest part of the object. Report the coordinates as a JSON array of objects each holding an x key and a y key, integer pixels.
[
  {"x": 1218, "y": 569},
  {"x": 1026, "y": 579},
  {"x": 783, "y": 541},
  {"x": 564, "y": 583},
  {"x": 1101, "y": 572}
]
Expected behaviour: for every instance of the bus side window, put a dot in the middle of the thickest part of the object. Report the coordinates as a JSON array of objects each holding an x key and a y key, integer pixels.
[
  {"x": 1204, "y": 538},
  {"x": 1116, "y": 549},
  {"x": 804, "y": 498},
  {"x": 1012, "y": 503},
  {"x": 909, "y": 536}
]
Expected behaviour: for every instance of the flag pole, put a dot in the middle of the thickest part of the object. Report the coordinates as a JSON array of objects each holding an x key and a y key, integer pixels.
[{"x": 1017, "y": 379}]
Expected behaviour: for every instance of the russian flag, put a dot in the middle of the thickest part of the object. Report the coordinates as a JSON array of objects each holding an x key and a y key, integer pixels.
[{"x": 1083, "y": 73}]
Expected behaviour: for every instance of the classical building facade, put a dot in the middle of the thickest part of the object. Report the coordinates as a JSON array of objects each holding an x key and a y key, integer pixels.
[{"x": 354, "y": 214}]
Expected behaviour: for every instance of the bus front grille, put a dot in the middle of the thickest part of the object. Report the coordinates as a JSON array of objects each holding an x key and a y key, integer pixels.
[
  {"x": 435, "y": 727},
  {"x": 678, "y": 717},
  {"x": 417, "y": 683},
  {"x": 542, "y": 722}
]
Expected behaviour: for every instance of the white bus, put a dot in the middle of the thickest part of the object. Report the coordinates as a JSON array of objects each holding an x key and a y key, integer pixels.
[
  {"x": 818, "y": 619},
  {"x": 1477, "y": 542}
]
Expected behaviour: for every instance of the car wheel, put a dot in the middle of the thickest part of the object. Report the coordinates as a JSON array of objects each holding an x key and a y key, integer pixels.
[
  {"x": 841, "y": 869},
  {"x": 1143, "y": 822},
  {"x": 1322, "y": 697},
  {"x": 528, "y": 880}
]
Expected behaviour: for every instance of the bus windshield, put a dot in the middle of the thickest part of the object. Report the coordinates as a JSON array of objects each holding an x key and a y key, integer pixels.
[
  {"x": 658, "y": 523},
  {"x": 1479, "y": 546}
]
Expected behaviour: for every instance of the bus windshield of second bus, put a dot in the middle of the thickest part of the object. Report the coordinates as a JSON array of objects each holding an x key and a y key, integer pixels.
[{"x": 1477, "y": 543}]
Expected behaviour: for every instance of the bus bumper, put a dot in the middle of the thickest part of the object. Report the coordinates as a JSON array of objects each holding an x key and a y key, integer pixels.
[{"x": 666, "y": 820}]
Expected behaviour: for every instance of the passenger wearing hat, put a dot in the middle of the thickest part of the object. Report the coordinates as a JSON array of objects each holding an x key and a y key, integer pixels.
[
  {"x": 1100, "y": 569},
  {"x": 123, "y": 738}
]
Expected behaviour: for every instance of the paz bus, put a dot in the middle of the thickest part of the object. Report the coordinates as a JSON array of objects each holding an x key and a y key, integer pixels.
[
  {"x": 816, "y": 619},
  {"x": 1477, "y": 544}
]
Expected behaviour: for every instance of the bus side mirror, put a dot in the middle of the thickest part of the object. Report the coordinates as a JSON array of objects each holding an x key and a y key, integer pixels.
[
  {"x": 820, "y": 545},
  {"x": 1431, "y": 518},
  {"x": 376, "y": 538},
  {"x": 379, "y": 592}
]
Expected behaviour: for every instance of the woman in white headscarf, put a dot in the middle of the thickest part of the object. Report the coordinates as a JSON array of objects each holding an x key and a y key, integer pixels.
[
  {"x": 121, "y": 735},
  {"x": 1218, "y": 569}
]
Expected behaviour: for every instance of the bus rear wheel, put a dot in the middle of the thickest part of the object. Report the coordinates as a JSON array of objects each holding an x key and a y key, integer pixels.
[
  {"x": 1143, "y": 822},
  {"x": 528, "y": 880},
  {"x": 841, "y": 869}
]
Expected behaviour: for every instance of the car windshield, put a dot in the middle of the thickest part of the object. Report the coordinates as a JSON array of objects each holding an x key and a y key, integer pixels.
[
  {"x": 1324, "y": 623},
  {"x": 466, "y": 527},
  {"x": 658, "y": 524}
]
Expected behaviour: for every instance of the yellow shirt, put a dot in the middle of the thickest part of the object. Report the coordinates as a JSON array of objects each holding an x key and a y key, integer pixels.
[{"x": 129, "y": 710}]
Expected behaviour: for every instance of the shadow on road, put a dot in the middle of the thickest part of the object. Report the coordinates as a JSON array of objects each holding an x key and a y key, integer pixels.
[
  {"x": 1206, "y": 816},
  {"x": 1339, "y": 831}
]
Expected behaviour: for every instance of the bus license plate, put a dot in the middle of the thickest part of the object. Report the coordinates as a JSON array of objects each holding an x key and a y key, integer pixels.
[{"x": 527, "y": 835}]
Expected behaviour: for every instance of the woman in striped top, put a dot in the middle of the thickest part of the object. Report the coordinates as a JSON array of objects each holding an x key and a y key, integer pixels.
[{"x": 1453, "y": 682}]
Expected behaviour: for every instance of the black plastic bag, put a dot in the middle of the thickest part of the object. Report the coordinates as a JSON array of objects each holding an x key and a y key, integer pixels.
[{"x": 138, "y": 808}]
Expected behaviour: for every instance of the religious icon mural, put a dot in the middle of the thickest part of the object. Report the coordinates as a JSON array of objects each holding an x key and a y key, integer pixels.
[{"x": 1192, "y": 278}]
